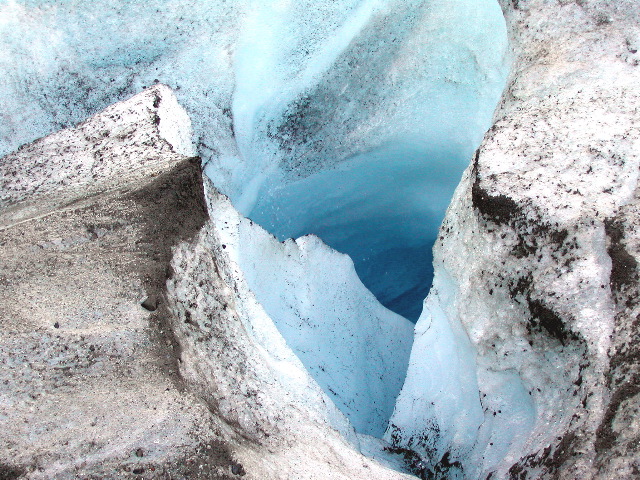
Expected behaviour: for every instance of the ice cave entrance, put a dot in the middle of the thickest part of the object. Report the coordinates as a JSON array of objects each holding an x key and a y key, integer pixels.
[{"x": 356, "y": 125}]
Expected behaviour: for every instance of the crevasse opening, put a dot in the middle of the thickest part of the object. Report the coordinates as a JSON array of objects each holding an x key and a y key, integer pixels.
[
  {"x": 389, "y": 96},
  {"x": 350, "y": 119},
  {"x": 355, "y": 125},
  {"x": 354, "y": 121}
]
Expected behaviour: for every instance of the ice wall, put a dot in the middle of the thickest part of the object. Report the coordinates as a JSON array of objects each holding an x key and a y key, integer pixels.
[
  {"x": 356, "y": 123},
  {"x": 351, "y": 119},
  {"x": 355, "y": 349}
]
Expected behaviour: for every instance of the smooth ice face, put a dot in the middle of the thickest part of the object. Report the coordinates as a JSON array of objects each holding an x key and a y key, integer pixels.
[
  {"x": 440, "y": 414},
  {"x": 356, "y": 122}
]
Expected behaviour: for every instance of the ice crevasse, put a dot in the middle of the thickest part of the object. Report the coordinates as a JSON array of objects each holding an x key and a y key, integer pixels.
[{"x": 351, "y": 120}]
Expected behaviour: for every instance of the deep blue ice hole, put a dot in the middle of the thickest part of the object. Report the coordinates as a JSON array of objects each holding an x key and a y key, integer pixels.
[
  {"x": 383, "y": 208},
  {"x": 360, "y": 133}
]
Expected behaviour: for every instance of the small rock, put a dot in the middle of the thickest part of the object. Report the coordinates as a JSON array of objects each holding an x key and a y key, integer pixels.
[
  {"x": 138, "y": 471},
  {"x": 139, "y": 452},
  {"x": 238, "y": 469},
  {"x": 151, "y": 303},
  {"x": 56, "y": 325}
]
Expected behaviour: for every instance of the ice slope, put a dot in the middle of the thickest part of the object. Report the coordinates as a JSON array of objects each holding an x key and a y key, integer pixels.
[
  {"x": 537, "y": 263},
  {"x": 294, "y": 105},
  {"x": 355, "y": 349}
]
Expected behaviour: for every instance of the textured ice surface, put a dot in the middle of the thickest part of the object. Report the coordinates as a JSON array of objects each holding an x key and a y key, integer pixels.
[
  {"x": 314, "y": 117},
  {"x": 61, "y": 61},
  {"x": 355, "y": 349},
  {"x": 349, "y": 119}
]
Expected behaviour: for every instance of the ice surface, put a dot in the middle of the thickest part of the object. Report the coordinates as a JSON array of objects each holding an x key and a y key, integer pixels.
[
  {"x": 355, "y": 349},
  {"x": 351, "y": 119},
  {"x": 61, "y": 61},
  {"x": 280, "y": 92}
]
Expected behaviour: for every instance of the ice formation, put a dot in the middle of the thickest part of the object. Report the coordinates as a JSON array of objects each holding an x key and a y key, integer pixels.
[
  {"x": 351, "y": 119},
  {"x": 355, "y": 349},
  {"x": 321, "y": 117},
  {"x": 538, "y": 265}
]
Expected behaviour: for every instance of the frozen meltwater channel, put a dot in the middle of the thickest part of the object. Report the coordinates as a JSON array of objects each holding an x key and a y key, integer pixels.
[{"x": 354, "y": 121}]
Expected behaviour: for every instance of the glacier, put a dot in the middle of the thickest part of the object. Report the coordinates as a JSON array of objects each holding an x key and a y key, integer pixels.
[
  {"x": 348, "y": 121},
  {"x": 291, "y": 103}
]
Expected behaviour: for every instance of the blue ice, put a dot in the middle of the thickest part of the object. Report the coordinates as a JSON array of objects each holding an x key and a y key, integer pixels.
[
  {"x": 358, "y": 129},
  {"x": 351, "y": 119}
]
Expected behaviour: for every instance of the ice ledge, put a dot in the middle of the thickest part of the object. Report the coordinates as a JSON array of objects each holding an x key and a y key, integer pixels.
[
  {"x": 96, "y": 382},
  {"x": 119, "y": 145}
]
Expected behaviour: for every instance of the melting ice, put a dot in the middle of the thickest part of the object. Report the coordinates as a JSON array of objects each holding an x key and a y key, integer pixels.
[{"x": 350, "y": 119}]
